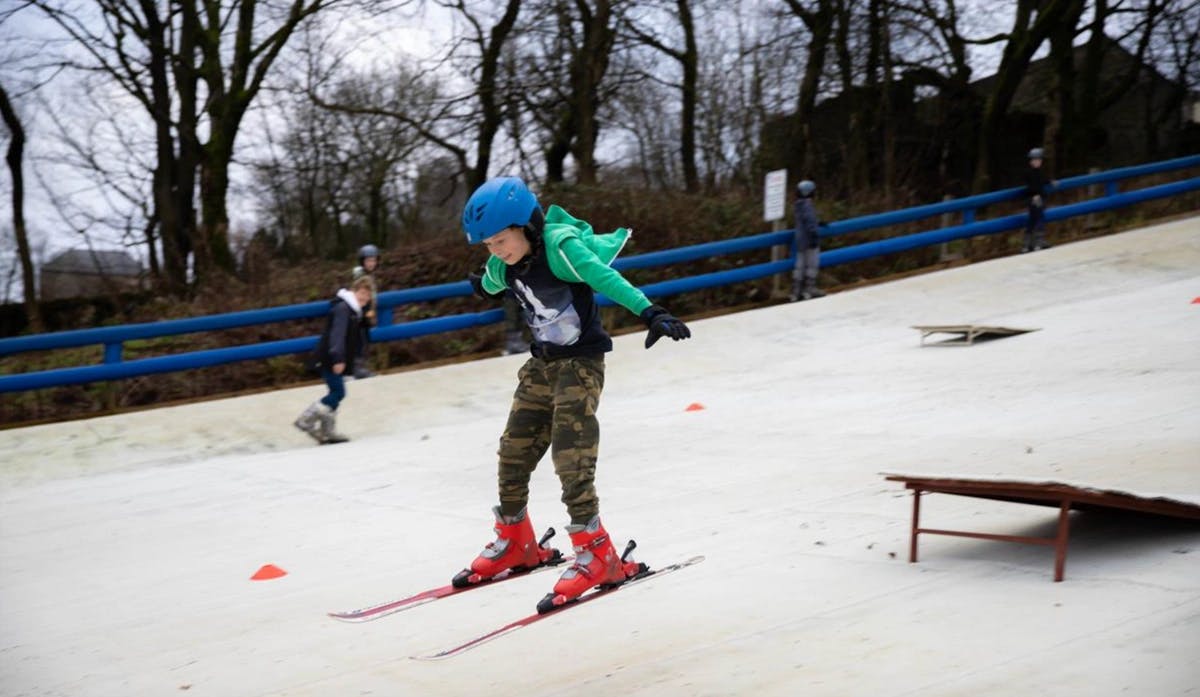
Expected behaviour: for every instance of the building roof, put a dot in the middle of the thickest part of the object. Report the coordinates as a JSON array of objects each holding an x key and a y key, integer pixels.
[
  {"x": 1034, "y": 94},
  {"x": 86, "y": 261}
]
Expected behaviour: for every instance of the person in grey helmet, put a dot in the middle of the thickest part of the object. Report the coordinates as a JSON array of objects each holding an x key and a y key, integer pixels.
[
  {"x": 808, "y": 249},
  {"x": 1036, "y": 189},
  {"x": 368, "y": 263}
]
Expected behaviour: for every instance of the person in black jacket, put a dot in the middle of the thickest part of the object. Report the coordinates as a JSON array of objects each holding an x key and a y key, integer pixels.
[
  {"x": 1036, "y": 188},
  {"x": 337, "y": 348}
]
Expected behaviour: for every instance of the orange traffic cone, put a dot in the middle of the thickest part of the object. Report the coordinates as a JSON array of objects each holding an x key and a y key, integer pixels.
[{"x": 267, "y": 573}]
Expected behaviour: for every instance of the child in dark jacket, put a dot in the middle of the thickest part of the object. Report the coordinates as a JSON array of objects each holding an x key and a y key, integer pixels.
[
  {"x": 1036, "y": 188},
  {"x": 337, "y": 348}
]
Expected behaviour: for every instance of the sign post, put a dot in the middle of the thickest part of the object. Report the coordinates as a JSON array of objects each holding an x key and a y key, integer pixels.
[
  {"x": 774, "y": 212},
  {"x": 775, "y": 196}
]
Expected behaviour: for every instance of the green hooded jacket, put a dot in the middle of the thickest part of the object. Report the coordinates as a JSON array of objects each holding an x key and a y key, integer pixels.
[{"x": 577, "y": 255}]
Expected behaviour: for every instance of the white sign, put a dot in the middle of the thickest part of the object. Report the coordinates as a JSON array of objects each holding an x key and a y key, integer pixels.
[{"x": 775, "y": 195}]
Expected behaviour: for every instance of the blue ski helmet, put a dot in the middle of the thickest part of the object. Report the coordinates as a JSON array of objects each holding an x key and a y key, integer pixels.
[
  {"x": 497, "y": 204},
  {"x": 805, "y": 188},
  {"x": 1036, "y": 154}
]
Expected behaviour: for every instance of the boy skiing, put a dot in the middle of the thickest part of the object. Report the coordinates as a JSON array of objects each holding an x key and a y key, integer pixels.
[
  {"x": 336, "y": 349},
  {"x": 553, "y": 264}
]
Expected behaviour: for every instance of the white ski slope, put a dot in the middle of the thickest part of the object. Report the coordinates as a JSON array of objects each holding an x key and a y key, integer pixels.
[{"x": 127, "y": 542}]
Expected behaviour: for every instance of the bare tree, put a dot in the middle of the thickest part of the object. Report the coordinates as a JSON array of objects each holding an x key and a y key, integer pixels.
[
  {"x": 1087, "y": 88},
  {"x": 936, "y": 55},
  {"x": 338, "y": 177},
  {"x": 301, "y": 182},
  {"x": 818, "y": 17},
  {"x": 567, "y": 64},
  {"x": 687, "y": 56},
  {"x": 259, "y": 33},
  {"x": 447, "y": 119},
  {"x": 1033, "y": 22},
  {"x": 747, "y": 77},
  {"x": 131, "y": 44},
  {"x": 195, "y": 66},
  {"x": 15, "y": 160},
  {"x": 1084, "y": 89},
  {"x": 484, "y": 59},
  {"x": 1175, "y": 48},
  {"x": 651, "y": 154}
]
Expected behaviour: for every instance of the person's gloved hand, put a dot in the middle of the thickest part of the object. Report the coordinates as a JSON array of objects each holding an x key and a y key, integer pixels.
[
  {"x": 662, "y": 323},
  {"x": 476, "y": 280}
]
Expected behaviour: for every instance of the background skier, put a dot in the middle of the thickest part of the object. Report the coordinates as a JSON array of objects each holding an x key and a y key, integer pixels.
[
  {"x": 368, "y": 263},
  {"x": 1036, "y": 189},
  {"x": 337, "y": 347},
  {"x": 808, "y": 244}
]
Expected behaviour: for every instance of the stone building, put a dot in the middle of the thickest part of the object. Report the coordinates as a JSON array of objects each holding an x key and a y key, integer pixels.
[{"x": 84, "y": 272}]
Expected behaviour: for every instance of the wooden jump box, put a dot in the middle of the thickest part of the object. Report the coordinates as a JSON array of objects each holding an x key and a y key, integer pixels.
[
  {"x": 1055, "y": 494},
  {"x": 966, "y": 333}
]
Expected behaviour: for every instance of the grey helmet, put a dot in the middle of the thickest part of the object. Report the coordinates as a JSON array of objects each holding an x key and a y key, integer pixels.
[
  {"x": 367, "y": 250},
  {"x": 1037, "y": 154},
  {"x": 805, "y": 188}
]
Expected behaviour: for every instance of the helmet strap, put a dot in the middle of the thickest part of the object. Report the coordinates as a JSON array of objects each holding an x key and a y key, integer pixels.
[{"x": 535, "y": 227}]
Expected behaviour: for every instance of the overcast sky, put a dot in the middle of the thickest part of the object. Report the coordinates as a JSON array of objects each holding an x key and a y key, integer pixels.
[{"x": 30, "y": 42}]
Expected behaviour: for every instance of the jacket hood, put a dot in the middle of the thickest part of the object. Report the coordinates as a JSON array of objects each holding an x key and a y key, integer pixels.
[{"x": 347, "y": 296}]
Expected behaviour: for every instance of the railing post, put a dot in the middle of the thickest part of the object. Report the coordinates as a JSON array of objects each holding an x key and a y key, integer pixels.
[
  {"x": 947, "y": 220},
  {"x": 1093, "y": 192},
  {"x": 112, "y": 352},
  {"x": 108, "y": 390},
  {"x": 781, "y": 286},
  {"x": 385, "y": 317}
]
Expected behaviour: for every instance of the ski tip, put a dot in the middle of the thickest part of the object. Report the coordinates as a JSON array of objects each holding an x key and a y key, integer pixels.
[
  {"x": 432, "y": 657},
  {"x": 449, "y": 653}
]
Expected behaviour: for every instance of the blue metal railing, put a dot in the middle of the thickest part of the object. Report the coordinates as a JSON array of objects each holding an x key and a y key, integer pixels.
[
  {"x": 113, "y": 338},
  {"x": 970, "y": 205}
]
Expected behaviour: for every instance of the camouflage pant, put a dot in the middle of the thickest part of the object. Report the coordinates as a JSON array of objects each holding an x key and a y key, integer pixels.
[{"x": 554, "y": 408}]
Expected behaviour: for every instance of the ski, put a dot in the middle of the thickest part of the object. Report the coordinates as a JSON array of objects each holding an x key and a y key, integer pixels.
[
  {"x": 537, "y": 617},
  {"x": 391, "y": 607}
]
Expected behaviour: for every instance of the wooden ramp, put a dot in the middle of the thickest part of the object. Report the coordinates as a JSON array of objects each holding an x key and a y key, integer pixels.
[
  {"x": 966, "y": 334},
  {"x": 1039, "y": 492}
]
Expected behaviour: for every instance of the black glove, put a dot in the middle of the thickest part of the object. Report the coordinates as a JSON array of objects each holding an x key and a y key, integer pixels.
[
  {"x": 662, "y": 323},
  {"x": 475, "y": 278}
]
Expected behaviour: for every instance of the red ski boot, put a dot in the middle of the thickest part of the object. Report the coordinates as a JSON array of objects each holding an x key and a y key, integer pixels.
[
  {"x": 514, "y": 548},
  {"x": 596, "y": 564}
]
